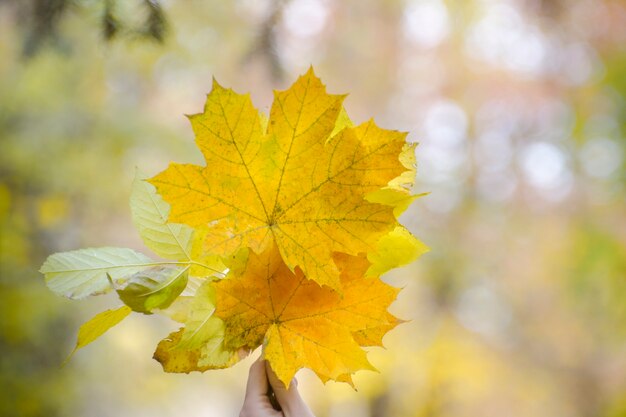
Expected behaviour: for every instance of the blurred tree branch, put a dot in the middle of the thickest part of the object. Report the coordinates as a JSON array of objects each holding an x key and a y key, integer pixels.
[
  {"x": 42, "y": 20},
  {"x": 266, "y": 42},
  {"x": 43, "y": 17}
]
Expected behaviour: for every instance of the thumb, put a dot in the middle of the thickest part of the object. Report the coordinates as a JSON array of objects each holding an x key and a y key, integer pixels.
[{"x": 289, "y": 398}]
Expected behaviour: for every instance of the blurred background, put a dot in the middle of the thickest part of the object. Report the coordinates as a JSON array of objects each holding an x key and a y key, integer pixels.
[{"x": 519, "y": 107}]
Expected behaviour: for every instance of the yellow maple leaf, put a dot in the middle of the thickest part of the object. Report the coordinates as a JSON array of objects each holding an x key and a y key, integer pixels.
[
  {"x": 300, "y": 323},
  {"x": 299, "y": 183}
]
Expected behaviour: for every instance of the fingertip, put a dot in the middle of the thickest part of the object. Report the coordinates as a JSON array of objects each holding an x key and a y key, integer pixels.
[
  {"x": 258, "y": 366},
  {"x": 257, "y": 379}
]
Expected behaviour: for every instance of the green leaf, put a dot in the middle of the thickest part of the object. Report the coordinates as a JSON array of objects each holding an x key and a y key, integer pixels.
[
  {"x": 150, "y": 212},
  {"x": 201, "y": 326},
  {"x": 204, "y": 331},
  {"x": 202, "y": 263},
  {"x": 98, "y": 325},
  {"x": 179, "y": 310},
  {"x": 155, "y": 287},
  {"x": 169, "y": 240},
  {"x": 80, "y": 273},
  {"x": 193, "y": 283},
  {"x": 200, "y": 344},
  {"x": 202, "y": 358}
]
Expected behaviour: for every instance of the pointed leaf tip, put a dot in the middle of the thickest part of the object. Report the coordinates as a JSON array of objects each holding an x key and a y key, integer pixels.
[{"x": 215, "y": 85}]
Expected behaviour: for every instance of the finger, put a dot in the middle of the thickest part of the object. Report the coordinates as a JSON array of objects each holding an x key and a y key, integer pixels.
[
  {"x": 288, "y": 397},
  {"x": 257, "y": 380}
]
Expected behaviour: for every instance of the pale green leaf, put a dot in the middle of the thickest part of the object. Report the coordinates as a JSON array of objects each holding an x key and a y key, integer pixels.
[
  {"x": 80, "y": 273},
  {"x": 193, "y": 283},
  {"x": 150, "y": 212},
  {"x": 202, "y": 358},
  {"x": 169, "y": 240},
  {"x": 155, "y": 287},
  {"x": 179, "y": 310},
  {"x": 202, "y": 263},
  {"x": 200, "y": 344},
  {"x": 201, "y": 326}
]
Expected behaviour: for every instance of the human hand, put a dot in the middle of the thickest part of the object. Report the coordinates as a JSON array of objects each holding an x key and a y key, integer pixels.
[{"x": 262, "y": 381}]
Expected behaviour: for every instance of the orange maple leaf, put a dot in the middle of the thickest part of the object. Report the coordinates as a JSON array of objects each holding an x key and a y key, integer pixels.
[{"x": 300, "y": 323}]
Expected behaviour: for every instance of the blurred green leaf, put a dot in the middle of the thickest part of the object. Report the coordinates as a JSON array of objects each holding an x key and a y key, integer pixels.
[{"x": 155, "y": 287}]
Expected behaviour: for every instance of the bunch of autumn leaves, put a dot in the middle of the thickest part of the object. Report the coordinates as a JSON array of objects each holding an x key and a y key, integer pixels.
[{"x": 288, "y": 228}]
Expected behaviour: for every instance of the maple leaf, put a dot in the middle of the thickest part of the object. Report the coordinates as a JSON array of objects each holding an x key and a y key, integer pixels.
[
  {"x": 300, "y": 183},
  {"x": 300, "y": 323},
  {"x": 302, "y": 208}
]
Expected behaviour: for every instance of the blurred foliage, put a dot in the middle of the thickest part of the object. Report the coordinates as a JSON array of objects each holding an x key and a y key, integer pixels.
[
  {"x": 520, "y": 110},
  {"x": 43, "y": 18}
]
